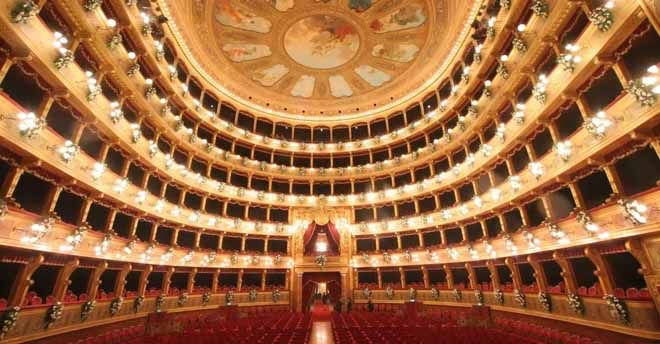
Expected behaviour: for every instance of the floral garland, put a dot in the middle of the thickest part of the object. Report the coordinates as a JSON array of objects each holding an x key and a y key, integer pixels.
[
  {"x": 520, "y": 298},
  {"x": 23, "y": 11},
  {"x": 113, "y": 42},
  {"x": 366, "y": 293},
  {"x": 618, "y": 309},
  {"x": 206, "y": 298},
  {"x": 87, "y": 309},
  {"x": 545, "y": 302},
  {"x": 435, "y": 294},
  {"x": 506, "y": 4},
  {"x": 407, "y": 255},
  {"x": 137, "y": 304},
  {"x": 321, "y": 260},
  {"x": 575, "y": 302},
  {"x": 412, "y": 294},
  {"x": 641, "y": 93},
  {"x": 160, "y": 300},
  {"x": 229, "y": 298},
  {"x": 499, "y": 296},
  {"x": 519, "y": 44},
  {"x": 602, "y": 17},
  {"x": 64, "y": 60},
  {"x": 389, "y": 292},
  {"x": 479, "y": 296},
  {"x": 9, "y": 320},
  {"x": 53, "y": 314},
  {"x": 91, "y": 5},
  {"x": 502, "y": 71},
  {"x": 252, "y": 295},
  {"x": 276, "y": 296},
  {"x": 183, "y": 299},
  {"x": 115, "y": 305},
  {"x": 540, "y": 8},
  {"x": 458, "y": 295}
]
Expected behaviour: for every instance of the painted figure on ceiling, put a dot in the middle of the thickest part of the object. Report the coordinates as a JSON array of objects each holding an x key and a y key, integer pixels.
[{"x": 360, "y": 5}]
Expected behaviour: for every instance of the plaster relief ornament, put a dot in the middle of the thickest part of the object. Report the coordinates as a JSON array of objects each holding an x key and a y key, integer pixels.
[
  {"x": 271, "y": 75},
  {"x": 373, "y": 76},
  {"x": 401, "y": 52},
  {"x": 409, "y": 16},
  {"x": 282, "y": 5},
  {"x": 230, "y": 15},
  {"x": 339, "y": 87},
  {"x": 240, "y": 52},
  {"x": 304, "y": 88}
]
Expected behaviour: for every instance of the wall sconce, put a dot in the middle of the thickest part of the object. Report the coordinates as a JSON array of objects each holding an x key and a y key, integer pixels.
[
  {"x": 634, "y": 211},
  {"x": 97, "y": 171},
  {"x": 120, "y": 185},
  {"x": 93, "y": 88},
  {"x": 564, "y": 150},
  {"x": 102, "y": 247},
  {"x": 140, "y": 197},
  {"x": 65, "y": 55},
  {"x": 537, "y": 169},
  {"x": 74, "y": 239},
  {"x": 116, "y": 113},
  {"x": 68, "y": 151},
  {"x": 38, "y": 231}
]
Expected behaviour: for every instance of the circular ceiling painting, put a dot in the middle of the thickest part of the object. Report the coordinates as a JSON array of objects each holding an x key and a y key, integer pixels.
[
  {"x": 307, "y": 59},
  {"x": 321, "y": 41}
]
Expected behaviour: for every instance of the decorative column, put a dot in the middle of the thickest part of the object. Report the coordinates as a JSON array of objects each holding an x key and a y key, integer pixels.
[
  {"x": 144, "y": 280},
  {"x": 191, "y": 281},
  {"x": 23, "y": 281},
  {"x": 566, "y": 272},
  {"x": 515, "y": 273},
  {"x": 472, "y": 277},
  {"x": 95, "y": 280},
  {"x": 239, "y": 282},
  {"x": 214, "y": 283},
  {"x": 263, "y": 280},
  {"x": 120, "y": 282},
  {"x": 494, "y": 274},
  {"x": 539, "y": 273},
  {"x": 380, "y": 278},
  {"x": 62, "y": 282},
  {"x": 298, "y": 292},
  {"x": 603, "y": 271},
  {"x": 166, "y": 280},
  {"x": 425, "y": 274},
  {"x": 402, "y": 277},
  {"x": 448, "y": 276}
]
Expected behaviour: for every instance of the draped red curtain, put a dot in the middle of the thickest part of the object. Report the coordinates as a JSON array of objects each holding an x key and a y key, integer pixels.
[
  {"x": 334, "y": 234},
  {"x": 309, "y": 233}
]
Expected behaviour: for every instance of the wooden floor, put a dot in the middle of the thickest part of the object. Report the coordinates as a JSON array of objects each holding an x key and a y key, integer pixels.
[{"x": 321, "y": 333}]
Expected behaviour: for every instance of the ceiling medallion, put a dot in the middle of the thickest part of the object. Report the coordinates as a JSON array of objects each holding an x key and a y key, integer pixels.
[{"x": 322, "y": 41}]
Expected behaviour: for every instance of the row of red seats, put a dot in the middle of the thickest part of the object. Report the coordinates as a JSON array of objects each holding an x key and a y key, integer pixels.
[
  {"x": 541, "y": 333},
  {"x": 115, "y": 336},
  {"x": 275, "y": 327},
  {"x": 361, "y": 327}
]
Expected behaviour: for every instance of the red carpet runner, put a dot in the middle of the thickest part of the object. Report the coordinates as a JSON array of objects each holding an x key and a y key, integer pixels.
[{"x": 320, "y": 312}]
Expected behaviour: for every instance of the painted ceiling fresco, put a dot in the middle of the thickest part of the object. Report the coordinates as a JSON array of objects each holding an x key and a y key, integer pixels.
[{"x": 290, "y": 51}]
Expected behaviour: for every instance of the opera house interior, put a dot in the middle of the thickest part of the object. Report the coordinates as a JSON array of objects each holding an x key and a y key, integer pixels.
[{"x": 329, "y": 171}]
